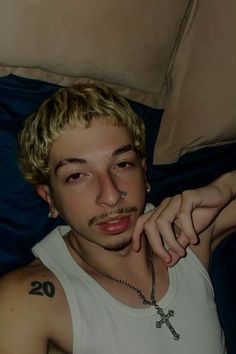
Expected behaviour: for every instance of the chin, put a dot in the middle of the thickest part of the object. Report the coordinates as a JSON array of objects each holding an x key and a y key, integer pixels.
[{"x": 119, "y": 246}]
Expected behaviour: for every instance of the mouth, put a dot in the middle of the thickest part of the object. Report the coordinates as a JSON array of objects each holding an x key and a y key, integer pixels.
[{"x": 113, "y": 226}]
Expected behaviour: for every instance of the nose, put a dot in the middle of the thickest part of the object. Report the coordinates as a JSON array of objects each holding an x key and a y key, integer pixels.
[{"x": 109, "y": 195}]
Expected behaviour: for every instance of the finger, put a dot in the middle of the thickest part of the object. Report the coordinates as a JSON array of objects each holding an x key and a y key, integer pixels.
[
  {"x": 139, "y": 227},
  {"x": 185, "y": 219},
  {"x": 138, "y": 230},
  {"x": 185, "y": 222},
  {"x": 163, "y": 221},
  {"x": 168, "y": 234},
  {"x": 174, "y": 259},
  {"x": 192, "y": 210},
  {"x": 183, "y": 240},
  {"x": 156, "y": 243}
]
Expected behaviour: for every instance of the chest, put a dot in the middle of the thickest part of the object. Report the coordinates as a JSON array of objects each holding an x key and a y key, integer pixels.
[{"x": 103, "y": 324}]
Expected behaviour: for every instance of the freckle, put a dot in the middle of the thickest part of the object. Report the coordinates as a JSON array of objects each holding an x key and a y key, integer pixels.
[{"x": 11, "y": 309}]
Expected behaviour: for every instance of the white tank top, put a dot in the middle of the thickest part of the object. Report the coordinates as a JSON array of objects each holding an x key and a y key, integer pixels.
[{"x": 103, "y": 325}]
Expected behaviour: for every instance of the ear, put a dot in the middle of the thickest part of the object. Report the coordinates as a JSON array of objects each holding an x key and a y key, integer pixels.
[{"x": 44, "y": 192}]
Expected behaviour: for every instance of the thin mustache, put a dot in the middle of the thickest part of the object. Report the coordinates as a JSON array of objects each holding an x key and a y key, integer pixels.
[{"x": 117, "y": 212}]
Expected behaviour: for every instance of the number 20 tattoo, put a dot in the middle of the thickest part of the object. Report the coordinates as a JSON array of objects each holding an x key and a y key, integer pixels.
[{"x": 42, "y": 288}]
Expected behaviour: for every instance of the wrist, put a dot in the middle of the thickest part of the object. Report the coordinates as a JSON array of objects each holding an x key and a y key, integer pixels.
[{"x": 227, "y": 184}]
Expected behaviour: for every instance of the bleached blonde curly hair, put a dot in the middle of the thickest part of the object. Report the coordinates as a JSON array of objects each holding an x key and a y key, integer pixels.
[{"x": 68, "y": 108}]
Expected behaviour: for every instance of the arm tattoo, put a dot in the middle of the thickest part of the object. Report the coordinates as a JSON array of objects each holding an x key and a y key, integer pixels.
[{"x": 42, "y": 288}]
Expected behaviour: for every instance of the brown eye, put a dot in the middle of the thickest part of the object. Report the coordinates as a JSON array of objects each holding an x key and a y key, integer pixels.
[
  {"x": 74, "y": 177},
  {"x": 124, "y": 164}
]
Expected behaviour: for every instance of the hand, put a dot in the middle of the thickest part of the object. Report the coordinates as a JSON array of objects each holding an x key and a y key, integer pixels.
[
  {"x": 178, "y": 220},
  {"x": 163, "y": 231}
]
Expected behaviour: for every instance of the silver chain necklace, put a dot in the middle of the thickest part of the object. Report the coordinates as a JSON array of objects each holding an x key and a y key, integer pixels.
[{"x": 152, "y": 302}]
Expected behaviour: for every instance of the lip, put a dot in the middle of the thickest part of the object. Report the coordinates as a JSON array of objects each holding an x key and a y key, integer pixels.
[{"x": 115, "y": 225}]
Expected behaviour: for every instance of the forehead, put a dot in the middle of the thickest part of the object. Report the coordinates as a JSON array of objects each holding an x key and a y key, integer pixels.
[{"x": 99, "y": 138}]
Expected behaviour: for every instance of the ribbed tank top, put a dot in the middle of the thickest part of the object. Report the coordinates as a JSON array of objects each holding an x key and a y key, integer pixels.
[{"x": 103, "y": 325}]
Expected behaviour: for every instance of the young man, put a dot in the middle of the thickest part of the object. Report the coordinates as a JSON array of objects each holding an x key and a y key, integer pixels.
[{"x": 89, "y": 290}]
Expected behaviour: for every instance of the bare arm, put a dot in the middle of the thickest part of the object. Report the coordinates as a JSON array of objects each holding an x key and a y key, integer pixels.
[
  {"x": 22, "y": 327},
  {"x": 224, "y": 225},
  {"x": 212, "y": 208},
  {"x": 34, "y": 312}
]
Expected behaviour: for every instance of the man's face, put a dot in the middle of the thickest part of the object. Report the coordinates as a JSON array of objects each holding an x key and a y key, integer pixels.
[{"x": 89, "y": 170}]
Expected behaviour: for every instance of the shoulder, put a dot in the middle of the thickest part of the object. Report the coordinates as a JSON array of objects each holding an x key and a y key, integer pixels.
[
  {"x": 24, "y": 280},
  {"x": 17, "y": 290},
  {"x": 29, "y": 298}
]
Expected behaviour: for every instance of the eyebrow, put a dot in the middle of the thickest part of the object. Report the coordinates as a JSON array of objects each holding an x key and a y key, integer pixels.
[
  {"x": 123, "y": 149},
  {"x": 73, "y": 160},
  {"x": 68, "y": 161}
]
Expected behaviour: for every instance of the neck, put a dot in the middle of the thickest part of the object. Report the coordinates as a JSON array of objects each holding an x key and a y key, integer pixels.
[
  {"x": 135, "y": 268},
  {"x": 115, "y": 262}
]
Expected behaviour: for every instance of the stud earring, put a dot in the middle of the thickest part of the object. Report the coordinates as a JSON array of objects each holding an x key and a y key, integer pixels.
[
  {"x": 123, "y": 194},
  {"x": 50, "y": 213},
  {"x": 148, "y": 187}
]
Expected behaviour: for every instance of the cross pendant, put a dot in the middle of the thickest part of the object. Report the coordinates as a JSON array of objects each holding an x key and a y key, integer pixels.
[{"x": 165, "y": 319}]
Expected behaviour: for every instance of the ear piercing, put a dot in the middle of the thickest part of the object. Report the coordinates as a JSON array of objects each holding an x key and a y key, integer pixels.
[
  {"x": 148, "y": 187},
  {"x": 123, "y": 194},
  {"x": 50, "y": 213}
]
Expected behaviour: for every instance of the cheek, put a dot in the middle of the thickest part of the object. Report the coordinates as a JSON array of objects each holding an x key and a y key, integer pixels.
[
  {"x": 63, "y": 200},
  {"x": 137, "y": 185},
  {"x": 140, "y": 180},
  {"x": 74, "y": 200},
  {"x": 73, "y": 204}
]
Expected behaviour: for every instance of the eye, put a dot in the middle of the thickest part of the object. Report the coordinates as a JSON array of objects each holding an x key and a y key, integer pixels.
[
  {"x": 124, "y": 164},
  {"x": 74, "y": 177}
]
